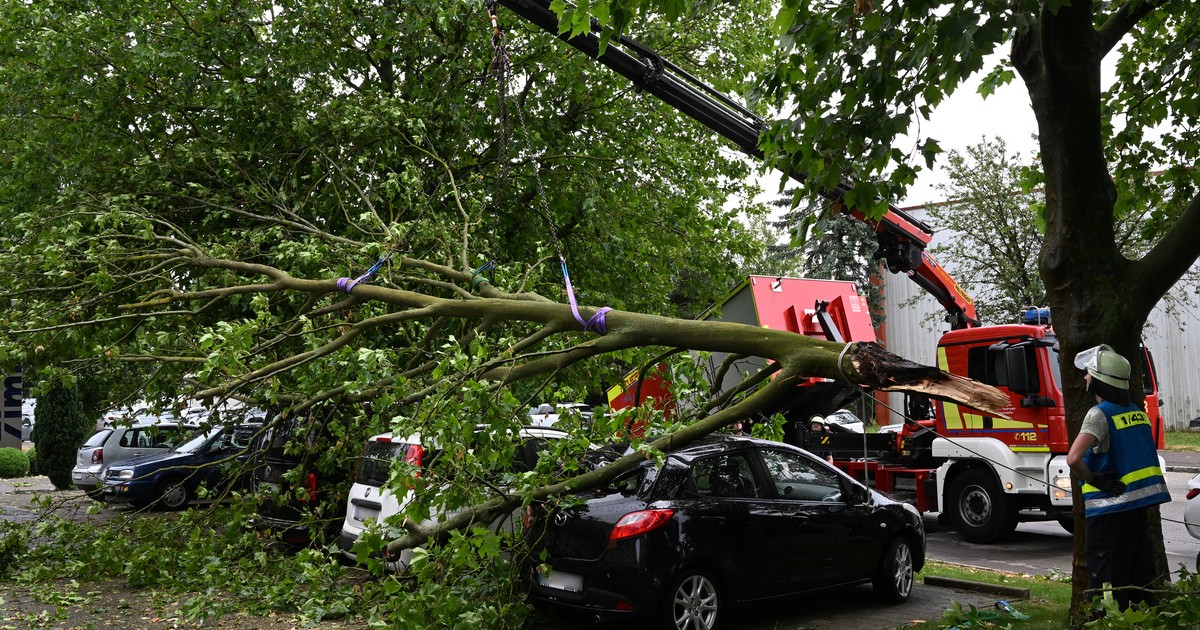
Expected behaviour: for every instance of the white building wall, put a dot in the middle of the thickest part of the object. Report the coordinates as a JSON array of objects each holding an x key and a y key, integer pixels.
[{"x": 1174, "y": 340}]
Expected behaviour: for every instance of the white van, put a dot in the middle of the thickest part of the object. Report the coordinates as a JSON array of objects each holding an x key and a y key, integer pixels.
[{"x": 370, "y": 501}]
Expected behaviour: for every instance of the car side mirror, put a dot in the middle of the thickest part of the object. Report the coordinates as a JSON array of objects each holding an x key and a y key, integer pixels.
[{"x": 855, "y": 494}]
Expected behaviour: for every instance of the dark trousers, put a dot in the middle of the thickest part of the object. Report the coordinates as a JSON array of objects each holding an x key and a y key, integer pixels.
[{"x": 1118, "y": 554}]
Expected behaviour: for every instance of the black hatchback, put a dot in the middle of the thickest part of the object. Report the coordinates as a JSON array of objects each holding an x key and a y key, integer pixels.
[{"x": 727, "y": 521}]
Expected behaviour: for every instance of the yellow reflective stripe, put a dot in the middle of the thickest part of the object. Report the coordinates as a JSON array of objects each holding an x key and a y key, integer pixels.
[
  {"x": 973, "y": 420},
  {"x": 1129, "y": 478},
  {"x": 1030, "y": 449},
  {"x": 953, "y": 416},
  {"x": 950, "y": 411},
  {"x": 1138, "y": 475}
]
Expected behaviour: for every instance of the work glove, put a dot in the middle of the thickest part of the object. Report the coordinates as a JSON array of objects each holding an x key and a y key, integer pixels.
[{"x": 1109, "y": 483}]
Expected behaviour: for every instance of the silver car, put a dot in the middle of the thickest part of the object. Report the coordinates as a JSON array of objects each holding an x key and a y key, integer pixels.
[{"x": 114, "y": 444}]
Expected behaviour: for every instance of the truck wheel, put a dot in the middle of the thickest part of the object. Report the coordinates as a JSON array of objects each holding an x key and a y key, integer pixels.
[{"x": 979, "y": 509}]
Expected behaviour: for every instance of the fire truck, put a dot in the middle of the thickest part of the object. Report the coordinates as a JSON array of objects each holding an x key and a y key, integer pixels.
[{"x": 984, "y": 473}]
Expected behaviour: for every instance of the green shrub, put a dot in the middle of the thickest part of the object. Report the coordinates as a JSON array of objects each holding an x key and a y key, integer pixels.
[
  {"x": 61, "y": 426},
  {"x": 31, "y": 455},
  {"x": 13, "y": 463}
]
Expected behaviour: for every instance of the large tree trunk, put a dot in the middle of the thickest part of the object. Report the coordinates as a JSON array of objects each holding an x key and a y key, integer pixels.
[{"x": 1090, "y": 284}]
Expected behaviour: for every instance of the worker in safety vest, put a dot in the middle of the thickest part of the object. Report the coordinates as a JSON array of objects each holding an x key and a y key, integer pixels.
[{"x": 1115, "y": 459}]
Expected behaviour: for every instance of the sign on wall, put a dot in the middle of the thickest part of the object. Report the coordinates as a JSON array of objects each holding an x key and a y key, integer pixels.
[{"x": 10, "y": 412}]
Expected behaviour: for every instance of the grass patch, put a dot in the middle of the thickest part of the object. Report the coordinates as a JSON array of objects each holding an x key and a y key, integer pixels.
[
  {"x": 1047, "y": 606},
  {"x": 1183, "y": 441}
]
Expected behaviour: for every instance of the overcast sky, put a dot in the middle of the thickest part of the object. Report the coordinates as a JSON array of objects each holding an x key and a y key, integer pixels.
[{"x": 965, "y": 119}]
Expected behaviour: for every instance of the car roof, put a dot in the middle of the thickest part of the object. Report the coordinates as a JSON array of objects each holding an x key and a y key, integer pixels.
[{"x": 720, "y": 443}]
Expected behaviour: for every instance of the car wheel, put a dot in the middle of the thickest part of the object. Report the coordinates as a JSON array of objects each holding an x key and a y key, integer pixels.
[
  {"x": 980, "y": 511},
  {"x": 893, "y": 580},
  {"x": 694, "y": 602},
  {"x": 172, "y": 494}
]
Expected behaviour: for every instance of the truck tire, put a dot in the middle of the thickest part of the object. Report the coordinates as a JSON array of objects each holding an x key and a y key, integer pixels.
[{"x": 980, "y": 511}]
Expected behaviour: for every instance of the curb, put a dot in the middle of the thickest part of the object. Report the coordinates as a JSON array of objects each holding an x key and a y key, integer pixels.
[
  {"x": 1011, "y": 592},
  {"x": 1184, "y": 469}
]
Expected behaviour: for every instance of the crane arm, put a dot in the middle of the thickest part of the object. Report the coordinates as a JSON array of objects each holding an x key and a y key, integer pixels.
[{"x": 902, "y": 238}]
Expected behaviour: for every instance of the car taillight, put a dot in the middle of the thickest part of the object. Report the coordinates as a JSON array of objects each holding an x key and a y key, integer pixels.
[
  {"x": 98, "y": 456},
  {"x": 311, "y": 486},
  {"x": 412, "y": 455},
  {"x": 638, "y": 523},
  {"x": 1192, "y": 492}
]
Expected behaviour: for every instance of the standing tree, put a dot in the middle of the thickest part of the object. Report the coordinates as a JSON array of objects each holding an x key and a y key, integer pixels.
[
  {"x": 995, "y": 230},
  {"x": 858, "y": 75}
]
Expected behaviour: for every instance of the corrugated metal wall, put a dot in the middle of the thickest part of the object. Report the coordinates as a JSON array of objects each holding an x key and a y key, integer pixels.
[{"x": 1173, "y": 340}]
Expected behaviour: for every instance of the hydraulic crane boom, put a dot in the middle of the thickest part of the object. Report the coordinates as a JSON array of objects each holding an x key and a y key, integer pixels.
[{"x": 902, "y": 238}]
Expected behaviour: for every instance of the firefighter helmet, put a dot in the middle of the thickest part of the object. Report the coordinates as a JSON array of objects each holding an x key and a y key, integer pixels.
[{"x": 1105, "y": 365}]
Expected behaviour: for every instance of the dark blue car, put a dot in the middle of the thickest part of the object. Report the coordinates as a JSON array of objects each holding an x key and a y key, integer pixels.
[{"x": 170, "y": 480}]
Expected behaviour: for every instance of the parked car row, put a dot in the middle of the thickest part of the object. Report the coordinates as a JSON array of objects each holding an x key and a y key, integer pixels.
[
  {"x": 136, "y": 452},
  {"x": 173, "y": 479},
  {"x": 117, "y": 444},
  {"x": 684, "y": 539}
]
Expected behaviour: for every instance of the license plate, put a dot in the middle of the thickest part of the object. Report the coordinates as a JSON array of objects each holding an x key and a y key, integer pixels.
[
  {"x": 561, "y": 580},
  {"x": 366, "y": 515},
  {"x": 77, "y": 476}
]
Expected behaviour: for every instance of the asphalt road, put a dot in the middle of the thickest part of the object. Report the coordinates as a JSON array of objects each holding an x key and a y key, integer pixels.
[{"x": 1045, "y": 548}]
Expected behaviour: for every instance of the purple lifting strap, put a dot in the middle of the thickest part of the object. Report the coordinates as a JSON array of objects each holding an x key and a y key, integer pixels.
[
  {"x": 596, "y": 323},
  {"x": 345, "y": 284}
]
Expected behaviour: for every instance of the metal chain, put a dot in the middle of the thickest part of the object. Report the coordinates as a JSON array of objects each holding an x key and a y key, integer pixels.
[{"x": 501, "y": 71}]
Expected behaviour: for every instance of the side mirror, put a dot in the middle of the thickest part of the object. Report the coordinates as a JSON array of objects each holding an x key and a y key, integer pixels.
[
  {"x": 1017, "y": 372},
  {"x": 856, "y": 494}
]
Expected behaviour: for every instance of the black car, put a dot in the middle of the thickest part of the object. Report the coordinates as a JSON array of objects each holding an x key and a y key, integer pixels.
[
  {"x": 724, "y": 522},
  {"x": 284, "y": 476}
]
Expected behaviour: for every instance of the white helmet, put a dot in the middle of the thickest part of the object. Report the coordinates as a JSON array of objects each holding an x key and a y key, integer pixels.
[{"x": 1105, "y": 365}]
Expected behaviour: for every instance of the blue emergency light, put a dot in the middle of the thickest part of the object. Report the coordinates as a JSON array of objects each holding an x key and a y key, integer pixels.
[{"x": 1035, "y": 315}]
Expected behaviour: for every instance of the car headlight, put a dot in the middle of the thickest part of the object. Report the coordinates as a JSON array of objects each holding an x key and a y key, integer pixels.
[{"x": 120, "y": 474}]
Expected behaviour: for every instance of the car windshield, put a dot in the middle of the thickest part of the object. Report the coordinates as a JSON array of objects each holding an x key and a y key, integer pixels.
[{"x": 196, "y": 441}]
